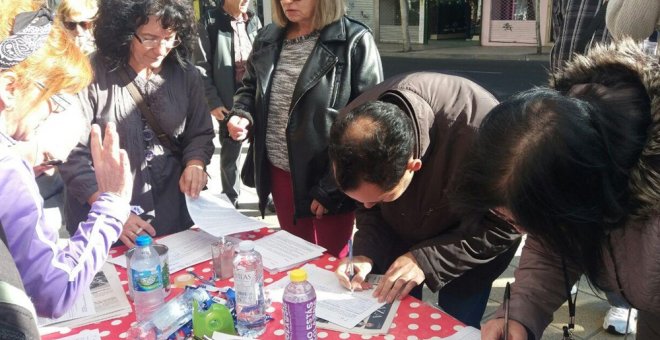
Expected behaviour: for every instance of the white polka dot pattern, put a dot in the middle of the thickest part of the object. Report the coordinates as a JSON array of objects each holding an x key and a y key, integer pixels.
[{"x": 414, "y": 319}]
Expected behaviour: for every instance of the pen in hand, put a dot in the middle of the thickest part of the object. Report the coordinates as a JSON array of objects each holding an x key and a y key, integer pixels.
[
  {"x": 507, "y": 297},
  {"x": 351, "y": 268}
]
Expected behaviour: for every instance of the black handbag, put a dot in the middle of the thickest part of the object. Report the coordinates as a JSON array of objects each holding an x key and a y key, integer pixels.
[
  {"x": 247, "y": 172},
  {"x": 165, "y": 139}
]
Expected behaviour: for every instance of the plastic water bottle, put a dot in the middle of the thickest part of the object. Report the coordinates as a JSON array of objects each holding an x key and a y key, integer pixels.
[
  {"x": 249, "y": 287},
  {"x": 299, "y": 307},
  {"x": 170, "y": 317},
  {"x": 147, "y": 278}
]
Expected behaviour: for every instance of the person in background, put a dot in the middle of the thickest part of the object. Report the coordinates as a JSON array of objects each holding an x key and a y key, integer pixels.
[
  {"x": 226, "y": 36},
  {"x": 576, "y": 25},
  {"x": 40, "y": 70},
  {"x": 145, "y": 45},
  {"x": 397, "y": 149},
  {"x": 77, "y": 17},
  {"x": 575, "y": 167},
  {"x": 637, "y": 19},
  {"x": 311, "y": 62}
]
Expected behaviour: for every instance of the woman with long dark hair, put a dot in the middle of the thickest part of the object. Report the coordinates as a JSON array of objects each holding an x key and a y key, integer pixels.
[
  {"x": 576, "y": 167},
  {"x": 145, "y": 84}
]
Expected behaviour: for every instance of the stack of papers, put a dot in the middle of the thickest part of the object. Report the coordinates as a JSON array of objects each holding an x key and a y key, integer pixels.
[
  {"x": 282, "y": 251},
  {"x": 376, "y": 323},
  {"x": 105, "y": 300},
  {"x": 217, "y": 216},
  {"x": 185, "y": 249},
  {"x": 334, "y": 303}
]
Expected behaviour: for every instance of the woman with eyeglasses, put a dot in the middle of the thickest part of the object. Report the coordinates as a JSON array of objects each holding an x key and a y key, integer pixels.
[
  {"x": 144, "y": 84},
  {"x": 76, "y": 16},
  {"x": 40, "y": 70},
  {"x": 576, "y": 167}
]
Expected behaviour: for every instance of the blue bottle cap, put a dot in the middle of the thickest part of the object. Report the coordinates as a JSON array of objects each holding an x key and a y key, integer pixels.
[{"x": 143, "y": 240}]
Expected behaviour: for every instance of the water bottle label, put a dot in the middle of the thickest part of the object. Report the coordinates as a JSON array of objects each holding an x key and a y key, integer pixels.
[
  {"x": 299, "y": 319},
  {"x": 147, "y": 280},
  {"x": 247, "y": 289}
]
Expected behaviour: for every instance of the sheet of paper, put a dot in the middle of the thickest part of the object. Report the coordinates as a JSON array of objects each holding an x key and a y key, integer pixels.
[
  {"x": 218, "y": 217},
  {"x": 108, "y": 297},
  {"x": 465, "y": 333},
  {"x": 376, "y": 323},
  {"x": 333, "y": 302},
  {"x": 282, "y": 250},
  {"x": 223, "y": 336},
  {"x": 84, "y": 306},
  {"x": 110, "y": 300},
  {"x": 186, "y": 248},
  {"x": 85, "y": 335}
]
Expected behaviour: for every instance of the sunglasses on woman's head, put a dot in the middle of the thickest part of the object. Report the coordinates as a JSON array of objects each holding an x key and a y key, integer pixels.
[{"x": 71, "y": 25}]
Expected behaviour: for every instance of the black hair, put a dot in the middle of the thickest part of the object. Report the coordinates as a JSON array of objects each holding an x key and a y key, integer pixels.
[
  {"x": 371, "y": 143},
  {"x": 118, "y": 20},
  {"x": 561, "y": 163}
]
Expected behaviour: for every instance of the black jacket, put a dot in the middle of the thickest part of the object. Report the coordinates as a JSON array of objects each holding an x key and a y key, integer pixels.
[
  {"x": 344, "y": 63},
  {"x": 214, "y": 55}
]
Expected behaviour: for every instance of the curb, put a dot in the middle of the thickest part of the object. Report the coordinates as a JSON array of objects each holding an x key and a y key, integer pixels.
[{"x": 466, "y": 56}]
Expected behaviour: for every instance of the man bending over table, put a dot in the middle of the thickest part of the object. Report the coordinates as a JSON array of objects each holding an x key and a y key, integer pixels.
[{"x": 398, "y": 148}]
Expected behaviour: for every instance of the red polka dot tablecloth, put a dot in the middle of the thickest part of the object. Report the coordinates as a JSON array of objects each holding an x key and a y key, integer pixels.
[{"x": 414, "y": 319}]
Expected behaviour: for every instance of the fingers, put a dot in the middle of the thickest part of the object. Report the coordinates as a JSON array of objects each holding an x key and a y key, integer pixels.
[
  {"x": 193, "y": 180},
  {"x": 397, "y": 283},
  {"x": 237, "y": 127},
  {"x": 95, "y": 142},
  {"x": 317, "y": 209},
  {"x": 111, "y": 140},
  {"x": 127, "y": 240},
  {"x": 145, "y": 226},
  {"x": 341, "y": 274},
  {"x": 126, "y": 173},
  {"x": 406, "y": 289},
  {"x": 362, "y": 268}
]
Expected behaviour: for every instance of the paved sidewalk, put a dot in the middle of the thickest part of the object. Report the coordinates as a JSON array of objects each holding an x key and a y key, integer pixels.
[{"x": 464, "y": 49}]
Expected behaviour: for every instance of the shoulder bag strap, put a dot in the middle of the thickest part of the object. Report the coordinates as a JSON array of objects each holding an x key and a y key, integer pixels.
[{"x": 164, "y": 138}]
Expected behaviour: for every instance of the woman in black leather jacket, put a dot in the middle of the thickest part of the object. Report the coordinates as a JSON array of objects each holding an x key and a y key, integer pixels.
[{"x": 307, "y": 65}]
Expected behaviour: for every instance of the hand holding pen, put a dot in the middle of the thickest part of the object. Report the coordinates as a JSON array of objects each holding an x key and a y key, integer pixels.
[
  {"x": 351, "y": 265},
  {"x": 352, "y": 270}
]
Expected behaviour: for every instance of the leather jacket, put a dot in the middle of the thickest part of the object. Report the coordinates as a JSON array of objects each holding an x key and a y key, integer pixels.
[
  {"x": 214, "y": 56},
  {"x": 344, "y": 63}
]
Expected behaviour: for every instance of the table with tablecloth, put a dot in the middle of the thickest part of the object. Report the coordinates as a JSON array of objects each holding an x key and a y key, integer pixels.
[{"x": 414, "y": 319}]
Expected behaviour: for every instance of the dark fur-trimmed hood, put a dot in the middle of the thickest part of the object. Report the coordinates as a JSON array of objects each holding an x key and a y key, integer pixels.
[{"x": 623, "y": 57}]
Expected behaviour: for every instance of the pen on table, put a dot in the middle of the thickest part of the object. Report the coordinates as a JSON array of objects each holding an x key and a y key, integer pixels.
[
  {"x": 203, "y": 280},
  {"x": 351, "y": 269},
  {"x": 507, "y": 297}
]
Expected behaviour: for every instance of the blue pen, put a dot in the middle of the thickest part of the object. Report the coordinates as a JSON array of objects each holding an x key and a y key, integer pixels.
[{"x": 351, "y": 269}]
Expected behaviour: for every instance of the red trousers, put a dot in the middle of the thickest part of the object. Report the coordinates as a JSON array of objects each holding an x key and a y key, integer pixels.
[{"x": 331, "y": 231}]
